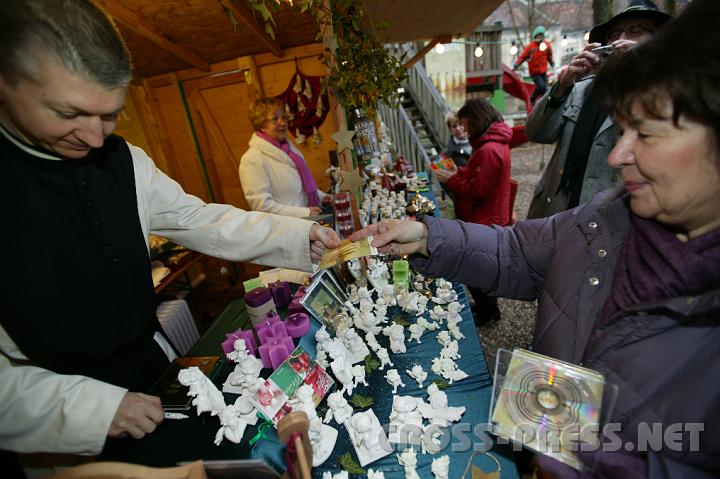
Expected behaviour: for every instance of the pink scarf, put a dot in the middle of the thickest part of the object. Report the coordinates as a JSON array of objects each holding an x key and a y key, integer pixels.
[{"x": 308, "y": 182}]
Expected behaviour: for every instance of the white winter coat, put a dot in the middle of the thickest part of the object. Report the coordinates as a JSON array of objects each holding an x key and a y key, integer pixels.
[{"x": 271, "y": 181}]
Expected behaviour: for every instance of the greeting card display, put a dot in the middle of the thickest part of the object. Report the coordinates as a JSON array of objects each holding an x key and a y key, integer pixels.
[{"x": 274, "y": 397}]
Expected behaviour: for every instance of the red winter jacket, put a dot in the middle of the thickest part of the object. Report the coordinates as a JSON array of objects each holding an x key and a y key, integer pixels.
[
  {"x": 539, "y": 60},
  {"x": 481, "y": 190}
]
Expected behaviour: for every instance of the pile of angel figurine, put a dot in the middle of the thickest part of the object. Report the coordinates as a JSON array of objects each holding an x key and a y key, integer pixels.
[{"x": 414, "y": 421}]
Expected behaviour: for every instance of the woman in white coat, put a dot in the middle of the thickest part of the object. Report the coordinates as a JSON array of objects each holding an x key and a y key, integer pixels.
[{"x": 273, "y": 172}]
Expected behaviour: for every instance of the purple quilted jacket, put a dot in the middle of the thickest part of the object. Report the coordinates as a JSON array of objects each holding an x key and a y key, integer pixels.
[{"x": 663, "y": 356}]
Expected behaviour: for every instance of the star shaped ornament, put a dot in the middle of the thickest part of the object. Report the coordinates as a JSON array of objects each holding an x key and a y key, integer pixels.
[
  {"x": 343, "y": 138},
  {"x": 352, "y": 181}
]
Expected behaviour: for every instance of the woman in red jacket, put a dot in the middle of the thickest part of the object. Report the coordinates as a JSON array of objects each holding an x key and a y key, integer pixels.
[{"x": 481, "y": 190}]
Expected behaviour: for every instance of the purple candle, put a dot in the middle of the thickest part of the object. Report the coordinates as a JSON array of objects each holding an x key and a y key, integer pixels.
[
  {"x": 275, "y": 351},
  {"x": 297, "y": 324},
  {"x": 259, "y": 302},
  {"x": 270, "y": 330},
  {"x": 248, "y": 336},
  {"x": 281, "y": 293}
]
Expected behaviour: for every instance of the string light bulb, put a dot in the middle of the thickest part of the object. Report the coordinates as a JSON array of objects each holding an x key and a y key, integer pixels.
[
  {"x": 478, "y": 51},
  {"x": 440, "y": 48},
  {"x": 564, "y": 41},
  {"x": 513, "y": 49}
]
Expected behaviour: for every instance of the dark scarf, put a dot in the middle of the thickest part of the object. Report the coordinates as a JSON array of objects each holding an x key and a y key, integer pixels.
[
  {"x": 588, "y": 124},
  {"x": 654, "y": 264}
]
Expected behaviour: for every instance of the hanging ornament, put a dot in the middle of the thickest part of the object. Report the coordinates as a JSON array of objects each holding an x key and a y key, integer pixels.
[
  {"x": 305, "y": 105},
  {"x": 316, "y": 138},
  {"x": 298, "y": 84},
  {"x": 319, "y": 107},
  {"x": 290, "y": 114},
  {"x": 308, "y": 91}
]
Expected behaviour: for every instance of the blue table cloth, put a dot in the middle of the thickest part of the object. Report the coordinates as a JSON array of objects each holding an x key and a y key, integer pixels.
[{"x": 473, "y": 392}]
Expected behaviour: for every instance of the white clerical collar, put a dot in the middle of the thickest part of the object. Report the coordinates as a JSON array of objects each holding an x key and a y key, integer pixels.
[{"x": 27, "y": 149}]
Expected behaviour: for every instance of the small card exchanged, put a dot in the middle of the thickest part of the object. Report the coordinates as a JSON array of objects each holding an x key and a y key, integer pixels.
[{"x": 348, "y": 250}]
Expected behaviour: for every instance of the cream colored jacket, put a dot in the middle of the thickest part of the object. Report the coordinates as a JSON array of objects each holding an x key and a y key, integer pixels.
[
  {"x": 41, "y": 411},
  {"x": 271, "y": 181}
]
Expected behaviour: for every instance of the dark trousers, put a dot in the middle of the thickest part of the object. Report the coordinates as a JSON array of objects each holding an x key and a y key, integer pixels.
[
  {"x": 486, "y": 307},
  {"x": 541, "y": 85}
]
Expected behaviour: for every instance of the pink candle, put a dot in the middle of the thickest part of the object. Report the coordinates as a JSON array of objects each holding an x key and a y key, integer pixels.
[
  {"x": 248, "y": 336},
  {"x": 297, "y": 324},
  {"x": 275, "y": 351},
  {"x": 268, "y": 331}
]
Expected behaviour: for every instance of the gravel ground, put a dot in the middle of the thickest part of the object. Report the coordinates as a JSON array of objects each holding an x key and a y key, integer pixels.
[{"x": 516, "y": 327}]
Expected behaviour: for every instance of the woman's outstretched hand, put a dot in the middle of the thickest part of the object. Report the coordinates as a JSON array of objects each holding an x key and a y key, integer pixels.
[{"x": 396, "y": 237}]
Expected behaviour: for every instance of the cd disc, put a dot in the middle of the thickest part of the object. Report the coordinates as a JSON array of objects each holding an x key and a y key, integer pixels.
[{"x": 545, "y": 398}]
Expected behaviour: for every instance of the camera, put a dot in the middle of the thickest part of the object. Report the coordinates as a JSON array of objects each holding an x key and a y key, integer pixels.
[{"x": 603, "y": 52}]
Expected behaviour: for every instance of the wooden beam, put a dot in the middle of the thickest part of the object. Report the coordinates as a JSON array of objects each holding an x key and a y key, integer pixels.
[
  {"x": 244, "y": 16},
  {"x": 129, "y": 19},
  {"x": 419, "y": 55}
]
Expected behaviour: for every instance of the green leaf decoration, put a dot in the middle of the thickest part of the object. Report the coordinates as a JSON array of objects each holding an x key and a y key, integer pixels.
[
  {"x": 361, "y": 402},
  {"x": 401, "y": 321},
  {"x": 347, "y": 462},
  {"x": 371, "y": 363},
  {"x": 441, "y": 384}
]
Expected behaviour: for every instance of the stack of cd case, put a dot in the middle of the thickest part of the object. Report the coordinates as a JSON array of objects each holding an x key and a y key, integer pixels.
[{"x": 547, "y": 405}]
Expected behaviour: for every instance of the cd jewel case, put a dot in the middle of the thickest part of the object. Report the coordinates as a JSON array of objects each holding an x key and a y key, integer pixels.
[{"x": 547, "y": 405}]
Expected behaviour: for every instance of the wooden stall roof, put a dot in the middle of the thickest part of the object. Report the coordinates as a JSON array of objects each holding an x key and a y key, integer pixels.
[{"x": 170, "y": 35}]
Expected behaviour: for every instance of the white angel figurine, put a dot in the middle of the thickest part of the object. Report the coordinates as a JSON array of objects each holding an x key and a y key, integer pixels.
[
  {"x": 416, "y": 332},
  {"x": 444, "y": 338},
  {"x": 359, "y": 375},
  {"x": 338, "y": 407},
  {"x": 232, "y": 426},
  {"x": 408, "y": 459},
  {"x": 438, "y": 314},
  {"x": 388, "y": 295},
  {"x": 393, "y": 378},
  {"x": 441, "y": 467},
  {"x": 384, "y": 358},
  {"x": 428, "y": 325},
  {"x": 451, "y": 351},
  {"x": 397, "y": 338},
  {"x": 418, "y": 374}
]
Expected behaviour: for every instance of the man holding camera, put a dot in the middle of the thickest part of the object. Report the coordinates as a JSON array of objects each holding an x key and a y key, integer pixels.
[{"x": 569, "y": 115}]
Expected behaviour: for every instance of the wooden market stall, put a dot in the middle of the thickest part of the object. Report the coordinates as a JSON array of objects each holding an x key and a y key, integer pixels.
[{"x": 198, "y": 64}]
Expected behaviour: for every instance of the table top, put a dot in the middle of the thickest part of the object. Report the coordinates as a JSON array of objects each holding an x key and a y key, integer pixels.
[{"x": 192, "y": 439}]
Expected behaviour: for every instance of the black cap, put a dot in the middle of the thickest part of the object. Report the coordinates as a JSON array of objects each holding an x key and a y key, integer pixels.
[{"x": 636, "y": 9}]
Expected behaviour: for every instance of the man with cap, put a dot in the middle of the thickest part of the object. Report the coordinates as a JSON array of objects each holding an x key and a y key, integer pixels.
[
  {"x": 539, "y": 54},
  {"x": 569, "y": 116}
]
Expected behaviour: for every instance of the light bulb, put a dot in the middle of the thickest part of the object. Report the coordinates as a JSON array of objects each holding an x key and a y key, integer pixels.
[
  {"x": 543, "y": 46},
  {"x": 478, "y": 51},
  {"x": 440, "y": 48},
  {"x": 586, "y": 37},
  {"x": 513, "y": 49}
]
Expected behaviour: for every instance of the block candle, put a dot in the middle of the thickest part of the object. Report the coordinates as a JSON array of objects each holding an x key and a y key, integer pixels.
[
  {"x": 281, "y": 293},
  {"x": 297, "y": 324},
  {"x": 275, "y": 351},
  {"x": 248, "y": 336},
  {"x": 270, "y": 330},
  {"x": 259, "y": 302}
]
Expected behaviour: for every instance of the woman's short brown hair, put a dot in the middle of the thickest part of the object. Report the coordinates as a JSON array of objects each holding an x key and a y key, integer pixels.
[{"x": 259, "y": 110}]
